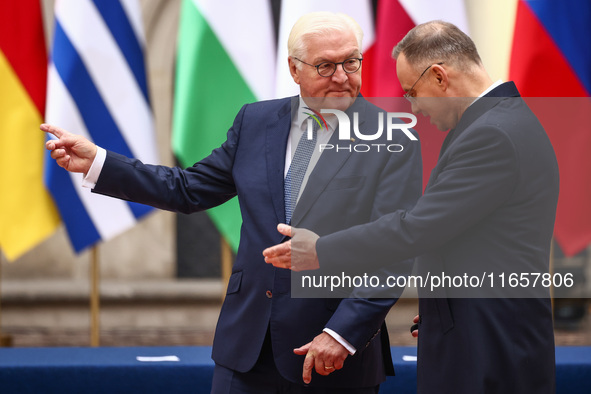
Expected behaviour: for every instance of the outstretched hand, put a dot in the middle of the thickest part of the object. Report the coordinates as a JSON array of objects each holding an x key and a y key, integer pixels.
[
  {"x": 297, "y": 254},
  {"x": 72, "y": 152}
]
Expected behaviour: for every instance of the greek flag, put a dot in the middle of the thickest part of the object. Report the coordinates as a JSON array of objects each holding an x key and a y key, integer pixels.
[{"x": 97, "y": 88}]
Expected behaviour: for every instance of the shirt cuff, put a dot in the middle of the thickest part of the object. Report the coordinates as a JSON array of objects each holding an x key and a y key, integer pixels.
[
  {"x": 341, "y": 340},
  {"x": 93, "y": 174}
]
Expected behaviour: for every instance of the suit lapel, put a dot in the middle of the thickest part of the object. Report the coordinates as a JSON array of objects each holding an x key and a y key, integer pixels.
[
  {"x": 275, "y": 150},
  {"x": 327, "y": 167}
]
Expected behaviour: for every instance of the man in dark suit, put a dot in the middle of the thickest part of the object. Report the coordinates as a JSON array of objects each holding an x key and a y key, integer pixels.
[
  {"x": 488, "y": 208},
  {"x": 260, "y": 324}
]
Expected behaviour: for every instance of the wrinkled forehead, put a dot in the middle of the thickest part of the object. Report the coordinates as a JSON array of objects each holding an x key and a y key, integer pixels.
[{"x": 331, "y": 45}]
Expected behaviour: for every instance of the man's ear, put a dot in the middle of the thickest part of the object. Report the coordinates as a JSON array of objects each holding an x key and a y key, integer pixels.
[
  {"x": 441, "y": 76},
  {"x": 293, "y": 70}
]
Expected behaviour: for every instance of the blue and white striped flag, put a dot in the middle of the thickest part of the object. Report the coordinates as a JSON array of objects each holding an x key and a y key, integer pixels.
[{"x": 97, "y": 88}]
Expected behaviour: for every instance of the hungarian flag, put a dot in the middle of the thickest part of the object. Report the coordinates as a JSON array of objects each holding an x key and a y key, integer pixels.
[
  {"x": 226, "y": 55},
  {"x": 394, "y": 19},
  {"x": 551, "y": 64},
  {"x": 27, "y": 213}
]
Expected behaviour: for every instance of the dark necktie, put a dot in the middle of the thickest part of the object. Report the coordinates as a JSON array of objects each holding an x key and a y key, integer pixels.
[{"x": 297, "y": 170}]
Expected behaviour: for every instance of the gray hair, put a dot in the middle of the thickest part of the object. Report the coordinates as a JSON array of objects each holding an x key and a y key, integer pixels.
[
  {"x": 320, "y": 24},
  {"x": 438, "y": 41}
]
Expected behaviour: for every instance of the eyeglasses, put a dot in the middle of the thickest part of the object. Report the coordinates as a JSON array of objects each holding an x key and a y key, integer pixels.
[
  {"x": 407, "y": 94},
  {"x": 327, "y": 69}
]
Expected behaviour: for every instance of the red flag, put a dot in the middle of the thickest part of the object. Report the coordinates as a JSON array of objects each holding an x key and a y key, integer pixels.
[{"x": 551, "y": 58}]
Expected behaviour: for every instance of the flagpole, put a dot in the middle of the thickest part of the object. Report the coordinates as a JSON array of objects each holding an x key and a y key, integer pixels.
[
  {"x": 94, "y": 298},
  {"x": 226, "y": 262},
  {"x": 5, "y": 340}
]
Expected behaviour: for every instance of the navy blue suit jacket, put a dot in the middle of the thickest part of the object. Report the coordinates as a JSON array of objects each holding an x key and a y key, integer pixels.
[
  {"x": 489, "y": 206},
  {"x": 344, "y": 189}
]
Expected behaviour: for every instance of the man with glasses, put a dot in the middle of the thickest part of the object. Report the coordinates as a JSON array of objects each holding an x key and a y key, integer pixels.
[
  {"x": 487, "y": 213},
  {"x": 266, "y": 341}
]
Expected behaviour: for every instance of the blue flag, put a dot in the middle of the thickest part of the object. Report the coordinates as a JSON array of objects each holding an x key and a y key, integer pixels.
[{"x": 97, "y": 88}]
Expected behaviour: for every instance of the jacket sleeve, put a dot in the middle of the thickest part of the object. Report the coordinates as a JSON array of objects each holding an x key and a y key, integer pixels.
[
  {"x": 479, "y": 175},
  {"x": 206, "y": 184},
  {"x": 359, "y": 317}
]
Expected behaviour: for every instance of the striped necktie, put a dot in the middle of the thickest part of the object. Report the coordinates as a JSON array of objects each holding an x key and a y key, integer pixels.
[{"x": 297, "y": 170}]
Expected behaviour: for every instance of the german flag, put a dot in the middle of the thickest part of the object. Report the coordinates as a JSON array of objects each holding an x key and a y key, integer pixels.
[{"x": 27, "y": 212}]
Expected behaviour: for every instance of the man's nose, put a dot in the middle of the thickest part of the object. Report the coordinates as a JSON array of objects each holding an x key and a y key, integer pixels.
[{"x": 340, "y": 76}]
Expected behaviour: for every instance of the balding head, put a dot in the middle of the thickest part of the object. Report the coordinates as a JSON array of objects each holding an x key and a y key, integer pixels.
[{"x": 435, "y": 42}]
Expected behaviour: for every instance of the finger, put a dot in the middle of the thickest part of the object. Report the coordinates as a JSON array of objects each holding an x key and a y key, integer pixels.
[
  {"x": 58, "y": 154},
  {"x": 415, "y": 333},
  {"x": 416, "y": 319},
  {"x": 284, "y": 229},
  {"x": 57, "y": 131},
  {"x": 299, "y": 268},
  {"x": 303, "y": 350},
  {"x": 278, "y": 250},
  {"x": 63, "y": 141},
  {"x": 63, "y": 162},
  {"x": 61, "y": 157},
  {"x": 328, "y": 369},
  {"x": 323, "y": 366},
  {"x": 279, "y": 261},
  {"x": 308, "y": 365},
  {"x": 339, "y": 363}
]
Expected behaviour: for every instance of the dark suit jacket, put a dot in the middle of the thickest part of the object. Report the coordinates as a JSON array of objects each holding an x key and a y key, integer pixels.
[
  {"x": 344, "y": 189},
  {"x": 489, "y": 206}
]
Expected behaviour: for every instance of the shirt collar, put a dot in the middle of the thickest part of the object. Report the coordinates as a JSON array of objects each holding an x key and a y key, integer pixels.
[
  {"x": 303, "y": 114},
  {"x": 490, "y": 88}
]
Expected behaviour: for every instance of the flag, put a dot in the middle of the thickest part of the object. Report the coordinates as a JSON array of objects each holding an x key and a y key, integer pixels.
[
  {"x": 97, "y": 88},
  {"x": 292, "y": 10},
  {"x": 394, "y": 19},
  {"x": 27, "y": 213},
  {"x": 225, "y": 60},
  {"x": 551, "y": 58}
]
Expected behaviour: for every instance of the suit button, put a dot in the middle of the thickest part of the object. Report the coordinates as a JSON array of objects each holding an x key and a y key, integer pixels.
[{"x": 269, "y": 294}]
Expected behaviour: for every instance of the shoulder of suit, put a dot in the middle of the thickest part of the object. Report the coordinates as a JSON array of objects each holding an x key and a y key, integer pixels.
[
  {"x": 272, "y": 102},
  {"x": 269, "y": 106}
]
